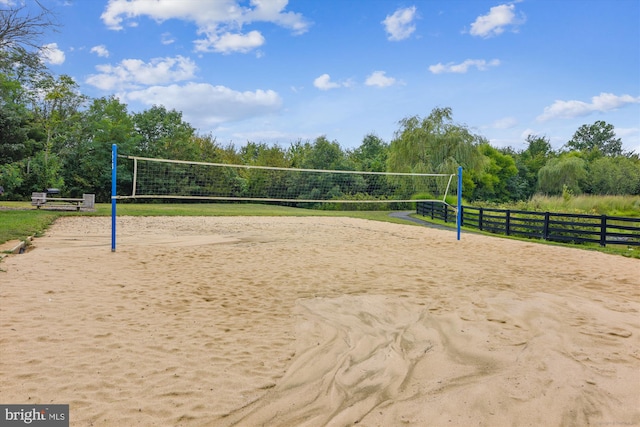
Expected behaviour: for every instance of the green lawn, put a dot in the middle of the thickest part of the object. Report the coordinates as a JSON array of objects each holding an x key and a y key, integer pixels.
[{"x": 19, "y": 224}]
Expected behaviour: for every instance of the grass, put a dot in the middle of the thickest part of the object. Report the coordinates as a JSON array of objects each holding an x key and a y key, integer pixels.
[
  {"x": 624, "y": 250},
  {"x": 627, "y": 206},
  {"x": 18, "y": 224},
  {"x": 623, "y": 206}
]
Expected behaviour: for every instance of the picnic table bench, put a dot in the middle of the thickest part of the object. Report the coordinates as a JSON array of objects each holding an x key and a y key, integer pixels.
[{"x": 44, "y": 199}]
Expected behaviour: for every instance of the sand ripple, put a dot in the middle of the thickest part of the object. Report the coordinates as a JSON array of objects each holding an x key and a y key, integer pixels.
[{"x": 317, "y": 321}]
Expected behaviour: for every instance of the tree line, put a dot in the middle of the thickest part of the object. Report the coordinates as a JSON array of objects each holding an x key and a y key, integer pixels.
[{"x": 53, "y": 136}]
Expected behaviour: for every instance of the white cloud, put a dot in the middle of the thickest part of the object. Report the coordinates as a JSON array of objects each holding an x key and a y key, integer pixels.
[
  {"x": 273, "y": 11},
  {"x": 627, "y": 132},
  {"x": 206, "y": 105},
  {"x": 463, "y": 67},
  {"x": 631, "y": 138},
  {"x": 379, "y": 78},
  {"x": 602, "y": 103},
  {"x": 52, "y": 55},
  {"x": 495, "y": 22},
  {"x": 220, "y": 21},
  {"x": 526, "y": 133},
  {"x": 202, "y": 13},
  {"x": 131, "y": 73},
  {"x": 166, "y": 39},
  {"x": 400, "y": 26},
  {"x": 100, "y": 50},
  {"x": 324, "y": 83},
  {"x": 273, "y": 136},
  {"x": 228, "y": 42},
  {"x": 505, "y": 123}
]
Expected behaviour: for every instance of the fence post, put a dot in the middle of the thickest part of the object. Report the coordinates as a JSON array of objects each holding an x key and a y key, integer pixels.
[
  {"x": 508, "y": 222},
  {"x": 545, "y": 228},
  {"x": 603, "y": 231},
  {"x": 446, "y": 211}
]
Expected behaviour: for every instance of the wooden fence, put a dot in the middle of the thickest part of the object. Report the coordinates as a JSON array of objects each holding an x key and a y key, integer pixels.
[{"x": 559, "y": 227}]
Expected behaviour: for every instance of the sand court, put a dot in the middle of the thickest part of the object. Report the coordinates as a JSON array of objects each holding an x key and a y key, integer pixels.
[{"x": 314, "y": 321}]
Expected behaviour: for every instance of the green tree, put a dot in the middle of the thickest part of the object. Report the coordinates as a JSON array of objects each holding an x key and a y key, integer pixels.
[
  {"x": 19, "y": 75},
  {"x": 13, "y": 133},
  {"x": 57, "y": 108},
  {"x": 263, "y": 182},
  {"x": 55, "y": 111},
  {"x": 435, "y": 144},
  {"x": 325, "y": 155},
  {"x": 297, "y": 153},
  {"x": 492, "y": 182},
  {"x": 371, "y": 156},
  {"x": 45, "y": 171},
  {"x": 87, "y": 156},
  {"x": 563, "y": 173},
  {"x": 261, "y": 154},
  {"x": 529, "y": 162},
  {"x": 208, "y": 148},
  {"x": 164, "y": 134},
  {"x": 11, "y": 178},
  {"x": 615, "y": 175},
  {"x": 20, "y": 138},
  {"x": 598, "y": 139}
]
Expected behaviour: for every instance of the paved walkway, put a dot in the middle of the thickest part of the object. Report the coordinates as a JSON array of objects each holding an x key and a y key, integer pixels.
[{"x": 405, "y": 215}]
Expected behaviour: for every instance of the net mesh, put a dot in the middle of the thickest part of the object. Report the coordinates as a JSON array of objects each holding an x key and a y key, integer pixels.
[{"x": 171, "y": 179}]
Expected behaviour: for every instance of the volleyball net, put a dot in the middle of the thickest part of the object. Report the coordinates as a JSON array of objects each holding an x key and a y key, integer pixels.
[{"x": 151, "y": 178}]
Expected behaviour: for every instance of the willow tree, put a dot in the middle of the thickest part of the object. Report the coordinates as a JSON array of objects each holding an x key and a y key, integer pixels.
[
  {"x": 563, "y": 175},
  {"x": 435, "y": 144}
]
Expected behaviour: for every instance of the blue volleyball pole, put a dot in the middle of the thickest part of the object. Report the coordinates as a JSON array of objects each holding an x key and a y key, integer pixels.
[
  {"x": 459, "y": 213},
  {"x": 114, "y": 166}
]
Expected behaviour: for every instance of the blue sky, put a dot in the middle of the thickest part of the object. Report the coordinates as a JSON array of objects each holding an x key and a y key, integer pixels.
[{"x": 277, "y": 71}]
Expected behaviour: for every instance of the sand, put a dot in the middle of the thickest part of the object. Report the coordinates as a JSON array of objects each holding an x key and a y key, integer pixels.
[{"x": 241, "y": 321}]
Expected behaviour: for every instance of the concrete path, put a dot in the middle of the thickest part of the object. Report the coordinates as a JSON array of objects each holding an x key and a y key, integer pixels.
[{"x": 405, "y": 215}]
